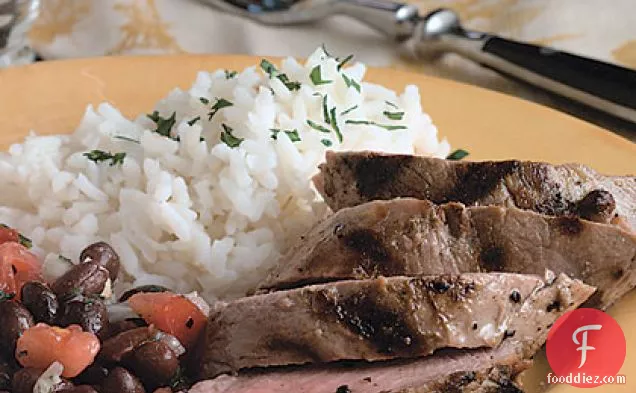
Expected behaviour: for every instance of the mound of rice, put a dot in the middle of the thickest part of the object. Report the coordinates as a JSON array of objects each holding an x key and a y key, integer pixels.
[{"x": 193, "y": 210}]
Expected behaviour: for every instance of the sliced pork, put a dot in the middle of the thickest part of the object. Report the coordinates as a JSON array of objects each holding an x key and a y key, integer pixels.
[
  {"x": 352, "y": 178},
  {"x": 371, "y": 320},
  {"x": 416, "y": 237},
  {"x": 466, "y": 370}
]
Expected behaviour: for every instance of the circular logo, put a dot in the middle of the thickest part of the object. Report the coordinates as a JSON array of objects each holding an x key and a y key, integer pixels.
[{"x": 585, "y": 348}]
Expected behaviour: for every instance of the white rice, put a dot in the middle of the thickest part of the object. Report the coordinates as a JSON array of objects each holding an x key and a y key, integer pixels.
[{"x": 196, "y": 214}]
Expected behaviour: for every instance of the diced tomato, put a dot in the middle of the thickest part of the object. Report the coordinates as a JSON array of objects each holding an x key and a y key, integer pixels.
[
  {"x": 41, "y": 345},
  {"x": 17, "y": 266},
  {"x": 171, "y": 313},
  {"x": 8, "y": 235}
]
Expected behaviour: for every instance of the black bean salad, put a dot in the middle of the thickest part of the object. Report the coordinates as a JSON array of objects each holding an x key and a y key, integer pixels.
[{"x": 71, "y": 336}]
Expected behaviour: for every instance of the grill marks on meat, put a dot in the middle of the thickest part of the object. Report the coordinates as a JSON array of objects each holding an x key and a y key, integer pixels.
[
  {"x": 414, "y": 237},
  {"x": 471, "y": 370},
  {"x": 373, "y": 319},
  {"x": 352, "y": 178}
]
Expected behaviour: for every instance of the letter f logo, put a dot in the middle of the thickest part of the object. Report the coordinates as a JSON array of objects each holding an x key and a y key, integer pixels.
[{"x": 584, "y": 347}]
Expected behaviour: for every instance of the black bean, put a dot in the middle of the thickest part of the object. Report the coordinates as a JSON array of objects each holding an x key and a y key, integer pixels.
[
  {"x": 38, "y": 298},
  {"x": 142, "y": 289},
  {"x": 6, "y": 374},
  {"x": 83, "y": 279},
  {"x": 154, "y": 362},
  {"x": 116, "y": 348},
  {"x": 88, "y": 312},
  {"x": 14, "y": 320},
  {"x": 125, "y": 325},
  {"x": 121, "y": 380},
  {"x": 92, "y": 375},
  {"x": 24, "y": 380},
  {"x": 103, "y": 254}
]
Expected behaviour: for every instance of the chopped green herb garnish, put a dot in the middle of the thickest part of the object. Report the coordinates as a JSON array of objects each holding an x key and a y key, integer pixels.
[
  {"x": 100, "y": 155},
  {"x": 193, "y": 121},
  {"x": 389, "y": 103},
  {"x": 204, "y": 100},
  {"x": 6, "y": 295},
  {"x": 230, "y": 74},
  {"x": 125, "y": 138},
  {"x": 273, "y": 72},
  {"x": 228, "y": 138},
  {"x": 324, "y": 49},
  {"x": 457, "y": 154},
  {"x": 349, "y": 110},
  {"x": 289, "y": 84},
  {"x": 316, "y": 77},
  {"x": 344, "y": 61},
  {"x": 318, "y": 127},
  {"x": 164, "y": 125},
  {"x": 269, "y": 68},
  {"x": 372, "y": 123},
  {"x": 291, "y": 134},
  {"x": 25, "y": 241},
  {"x": 341, "y": 63},
  {"x": 350, "y": 82},
  {"x": 326, "y": 142},
  {"x": 394, "y": 115},
  {"x": 334, "y": 124},
  {"x": 218, "y": 105},
  {"x": 179, "y": 381},
  {"x": 325, "y": 110}
]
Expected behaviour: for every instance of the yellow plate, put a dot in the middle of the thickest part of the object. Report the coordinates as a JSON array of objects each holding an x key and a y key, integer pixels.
[{"x": 51, "y": 98}]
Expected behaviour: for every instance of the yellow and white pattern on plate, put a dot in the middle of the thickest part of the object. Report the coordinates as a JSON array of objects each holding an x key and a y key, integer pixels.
[{"x": 80, "y": 28}]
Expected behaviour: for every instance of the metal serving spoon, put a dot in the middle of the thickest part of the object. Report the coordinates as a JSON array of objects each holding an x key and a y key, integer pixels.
[{"x": 602, "y": 86}]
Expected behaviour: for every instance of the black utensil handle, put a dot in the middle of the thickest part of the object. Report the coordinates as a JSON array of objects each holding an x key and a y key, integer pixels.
[{"x": 610, "y": 82}]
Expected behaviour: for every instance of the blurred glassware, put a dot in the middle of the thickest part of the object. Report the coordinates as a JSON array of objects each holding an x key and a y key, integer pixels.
[{"x": 16, "y": 19}]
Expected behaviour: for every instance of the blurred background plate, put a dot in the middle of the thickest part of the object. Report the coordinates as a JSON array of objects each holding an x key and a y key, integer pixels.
[{"x": 51, "y": 97}]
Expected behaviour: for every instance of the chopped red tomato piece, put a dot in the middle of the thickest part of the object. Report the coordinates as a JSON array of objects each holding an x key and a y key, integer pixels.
[
  {"x": 8, "y": 235},
  {"x": 17, "y": 266},
  {"x": 171, "y": 313},
  {"x": 41, "y": 345}
]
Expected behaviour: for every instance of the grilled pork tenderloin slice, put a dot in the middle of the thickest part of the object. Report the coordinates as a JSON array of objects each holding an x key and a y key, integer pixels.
[
  {"x": 363, "y": 378},
  {"x": 375, "y": 319},
  {"x": 527, "y": 332},
  {"x": 416, "y": 237},
  {"x": 352, "y": 178}
]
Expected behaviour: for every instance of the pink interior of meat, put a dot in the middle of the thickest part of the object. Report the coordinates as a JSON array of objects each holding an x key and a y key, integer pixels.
[{"x": 376, "y": 377}]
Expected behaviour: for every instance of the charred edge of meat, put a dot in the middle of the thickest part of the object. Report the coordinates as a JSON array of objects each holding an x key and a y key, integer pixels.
[
  {"x": 597, "y": 205},
  {"x": 555, "y": 305},
  {"x": 366, "y": 317},
  {"x": 537, "y": 180},
  {"x": 499, "y": 379},
  {"x": 567, "y": 225},
  {"x": 375, "y": 259},
  {"x": 475, "y": 180},
  {"x": 492, "y": 259},
  {"x": 376, "y": 173},
  {"x": 452, "y": 286}
]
